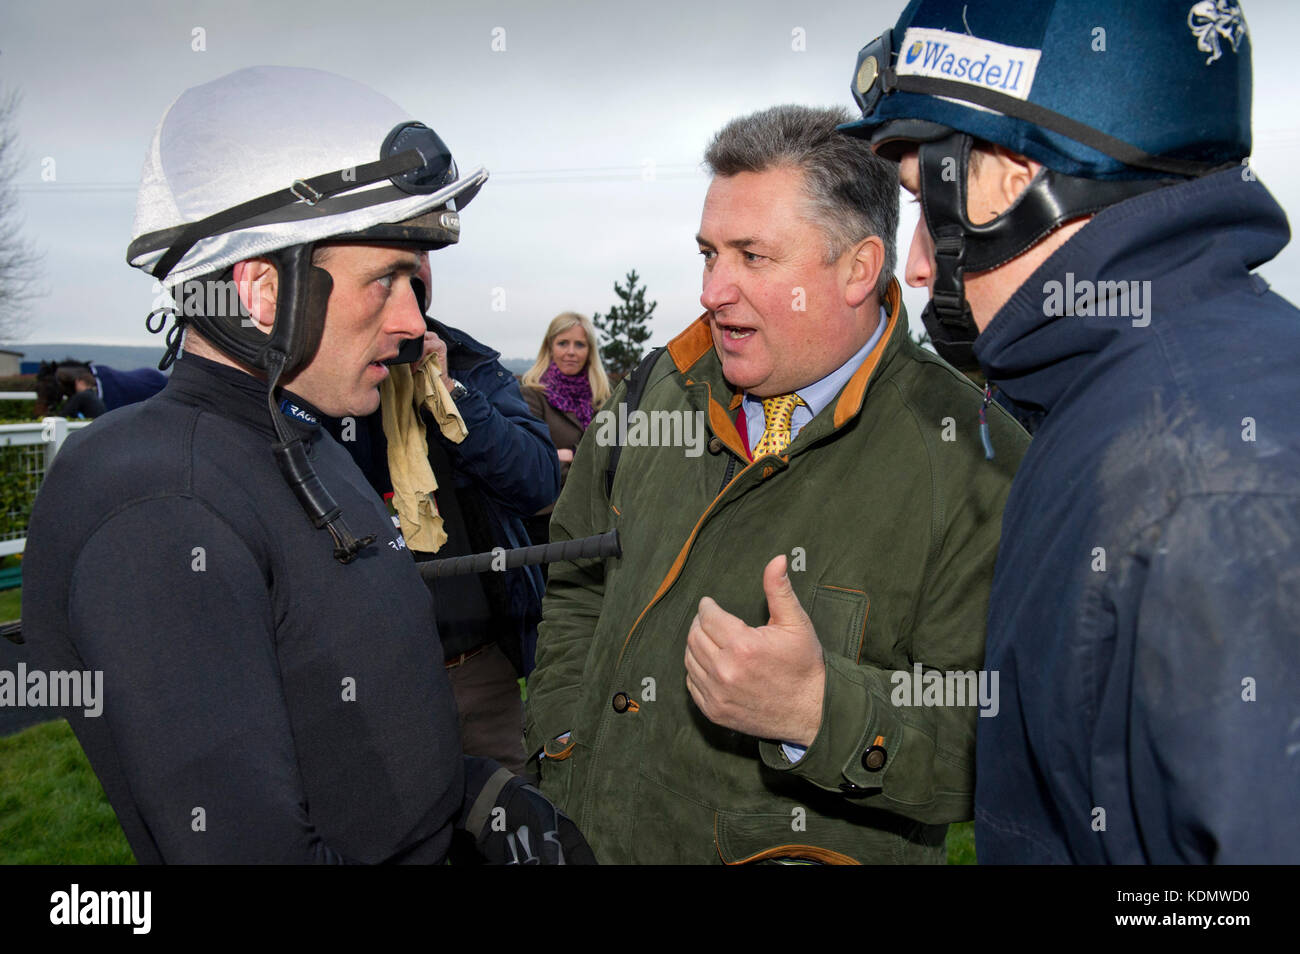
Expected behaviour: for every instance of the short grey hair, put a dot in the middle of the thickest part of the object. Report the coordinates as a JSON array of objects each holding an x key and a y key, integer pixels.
[{"x": 852, "y": 192}]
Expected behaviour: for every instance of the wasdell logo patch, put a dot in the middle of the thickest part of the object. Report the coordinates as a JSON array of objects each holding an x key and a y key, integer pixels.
[{"x": 968, "y": 59}]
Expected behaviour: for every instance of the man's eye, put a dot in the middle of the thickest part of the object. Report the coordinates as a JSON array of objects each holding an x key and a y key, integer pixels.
[
  {"x": 751, "y": 256},
  {"x": 386, "y": 281},
  {"x": 708, "y": 254}
]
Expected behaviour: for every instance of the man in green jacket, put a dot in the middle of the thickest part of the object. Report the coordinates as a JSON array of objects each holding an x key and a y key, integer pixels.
[{"x": 754, "y": 679}]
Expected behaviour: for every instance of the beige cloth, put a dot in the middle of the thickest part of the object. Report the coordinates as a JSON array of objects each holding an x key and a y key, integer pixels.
[{"x": 401, "y": 395}]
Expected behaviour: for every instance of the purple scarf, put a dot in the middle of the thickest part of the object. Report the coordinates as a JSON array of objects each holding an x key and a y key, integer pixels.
[{"x": 570, "y": 393}]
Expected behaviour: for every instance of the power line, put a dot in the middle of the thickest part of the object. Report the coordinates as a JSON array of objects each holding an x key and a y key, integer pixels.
[{"x": 647, "y": 172}]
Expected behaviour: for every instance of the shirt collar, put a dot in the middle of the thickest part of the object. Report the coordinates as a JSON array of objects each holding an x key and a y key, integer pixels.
[{"x": 821, "y": 393}]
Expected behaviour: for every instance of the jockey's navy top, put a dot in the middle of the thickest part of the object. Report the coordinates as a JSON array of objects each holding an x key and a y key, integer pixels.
[{"x": 262, "y": 702}]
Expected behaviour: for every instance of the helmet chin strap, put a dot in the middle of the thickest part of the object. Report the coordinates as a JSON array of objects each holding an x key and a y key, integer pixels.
[
  {"x": 291, "y": 457},
  {"x": 302, "y": 296},
  {"x": 1050, "y": 200}
]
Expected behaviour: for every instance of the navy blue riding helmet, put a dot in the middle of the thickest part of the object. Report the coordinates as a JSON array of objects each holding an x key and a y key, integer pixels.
[{"x": 1113, "y": 97}]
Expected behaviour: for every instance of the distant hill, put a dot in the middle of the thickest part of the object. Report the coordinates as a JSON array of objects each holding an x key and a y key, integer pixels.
[
  {"x": 115, "y": 356},
  {"x": 130, "y": 356}
]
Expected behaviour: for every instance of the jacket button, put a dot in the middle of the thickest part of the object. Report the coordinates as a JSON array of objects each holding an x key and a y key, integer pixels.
[
  {"x": 715, "y": 445},
  {"x": 621, "y": 702},
  {"x": 873, "y": 760}
]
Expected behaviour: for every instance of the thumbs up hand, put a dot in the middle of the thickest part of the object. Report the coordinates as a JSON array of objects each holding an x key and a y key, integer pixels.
[{"x": 766, "y": 681}]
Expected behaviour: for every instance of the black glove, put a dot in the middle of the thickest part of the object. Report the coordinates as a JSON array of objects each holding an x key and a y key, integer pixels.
[{"x": 512, "y": 823}]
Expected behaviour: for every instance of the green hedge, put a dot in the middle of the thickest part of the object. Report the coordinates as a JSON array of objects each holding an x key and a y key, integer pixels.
[
  {"x": 17, "y": 491},
  {"x": 17, "y": 412}
]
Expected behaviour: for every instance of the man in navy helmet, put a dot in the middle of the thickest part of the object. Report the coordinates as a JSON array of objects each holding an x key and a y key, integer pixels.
[
  {"x": 274, "y": 688},
  {"x": 1089, "y": 233}
]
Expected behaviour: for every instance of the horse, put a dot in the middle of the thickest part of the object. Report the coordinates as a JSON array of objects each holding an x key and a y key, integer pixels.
[{"x": 56, "y": 380}]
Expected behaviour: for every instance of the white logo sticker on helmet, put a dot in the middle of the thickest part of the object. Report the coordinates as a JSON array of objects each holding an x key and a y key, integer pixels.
[
  {"x": 1211, "y": 19},
  {"x": 968, "y": 59}
]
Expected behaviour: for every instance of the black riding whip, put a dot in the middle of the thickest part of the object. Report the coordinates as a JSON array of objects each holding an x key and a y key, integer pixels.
[{"x": 584, "y": 548}]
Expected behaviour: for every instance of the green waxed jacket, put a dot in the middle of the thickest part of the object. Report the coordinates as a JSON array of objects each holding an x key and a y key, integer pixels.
[{"x": 896, "y": 515}]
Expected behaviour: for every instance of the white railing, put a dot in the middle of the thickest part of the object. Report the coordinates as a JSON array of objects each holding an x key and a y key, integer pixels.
[
  {"x": 17, "y": 395},
  {"x": 47, "y": 434}
]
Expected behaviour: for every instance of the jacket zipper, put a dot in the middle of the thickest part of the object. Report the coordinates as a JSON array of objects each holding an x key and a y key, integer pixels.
[{"x": 597, "y": 747}]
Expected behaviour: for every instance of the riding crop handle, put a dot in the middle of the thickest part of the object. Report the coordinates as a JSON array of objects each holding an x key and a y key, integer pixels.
[{"x": 585, "y": 548}]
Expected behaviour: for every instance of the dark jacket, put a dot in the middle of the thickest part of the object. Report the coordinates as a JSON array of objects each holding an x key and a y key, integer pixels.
[
  {"x": 504, "y": 470},
  {"x": 262, "y": 702},
  {"x": 1145, "y": 615}
]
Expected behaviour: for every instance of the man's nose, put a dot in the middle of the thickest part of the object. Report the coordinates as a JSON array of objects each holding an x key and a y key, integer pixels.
[
  {"x": 920, "y": 265},
  {"x": 719, "y": 287},
  {"x": 408, "y": 321}
]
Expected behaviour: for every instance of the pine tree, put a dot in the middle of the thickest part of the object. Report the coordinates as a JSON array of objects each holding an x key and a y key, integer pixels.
[{"x": 624, "y": 330}]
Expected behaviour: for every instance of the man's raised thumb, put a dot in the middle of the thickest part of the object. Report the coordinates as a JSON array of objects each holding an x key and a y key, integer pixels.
[{"x": 783, "y": 607}]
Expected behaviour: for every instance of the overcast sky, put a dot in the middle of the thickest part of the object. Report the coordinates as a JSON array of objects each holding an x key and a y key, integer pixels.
[{"x": 592, "y": 121}]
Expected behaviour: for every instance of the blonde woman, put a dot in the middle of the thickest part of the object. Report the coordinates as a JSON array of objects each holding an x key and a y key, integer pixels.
[{"x": 565, "y": 387}]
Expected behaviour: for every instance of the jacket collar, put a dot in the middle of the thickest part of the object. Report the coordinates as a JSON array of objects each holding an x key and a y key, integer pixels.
[
  {"x": 234, "y": 394},
  {"x": 1191, "y": 242},
  {"x": 694, "y": 356}
]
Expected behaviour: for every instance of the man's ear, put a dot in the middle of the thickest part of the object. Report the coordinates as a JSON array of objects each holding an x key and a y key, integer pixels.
[
  {"x": 864, "y": 263},
  {"x": 258, "y": 283},
  {"x": 998, "y": 177}
]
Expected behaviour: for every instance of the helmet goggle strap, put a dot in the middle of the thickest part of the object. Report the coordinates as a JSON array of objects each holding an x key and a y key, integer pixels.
[
  {"x": 417, "y": 162},
  {"x": 875, "y": 77},
  {"x": 1050, "y": 200},
  {"x": 414, "y": 159}
]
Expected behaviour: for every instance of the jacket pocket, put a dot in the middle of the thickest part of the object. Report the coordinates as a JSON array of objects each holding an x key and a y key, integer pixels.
[
  {"x": 557, "y": 772},
  {"x": 751, "y": 838},
  {"x": 839, "y": 614}
]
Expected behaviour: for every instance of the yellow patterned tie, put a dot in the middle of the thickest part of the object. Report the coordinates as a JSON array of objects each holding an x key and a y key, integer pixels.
[{"x": 777, "y": 413}]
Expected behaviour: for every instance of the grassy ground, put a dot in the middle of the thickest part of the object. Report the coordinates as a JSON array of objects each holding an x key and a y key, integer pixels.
[
  {"x": 10, "y": 600},
  {"x": 10, "y": 604},
  {"x": 961, "y": 844},
  {"x": 52, "y": 809}
]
